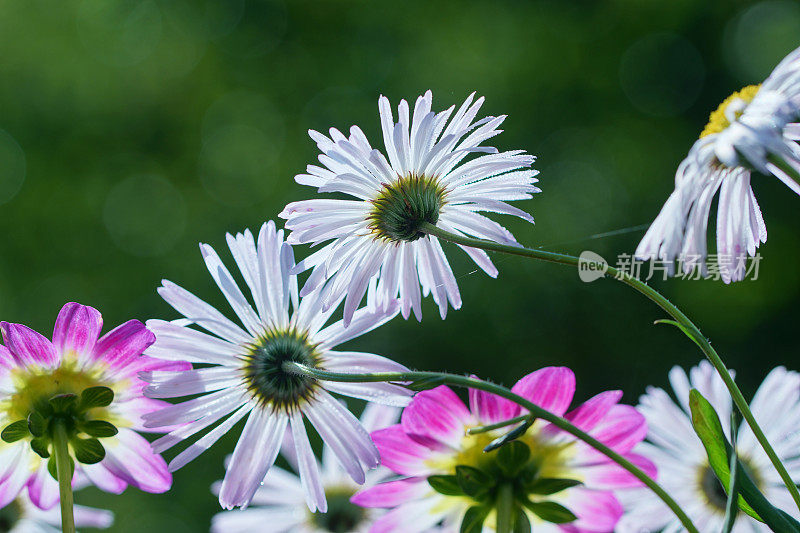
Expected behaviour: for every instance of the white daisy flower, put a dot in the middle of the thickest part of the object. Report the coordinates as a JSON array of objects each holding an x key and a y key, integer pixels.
[
  {"x": 754, "y": 129},
  {"x": 279, "y": 505},
  {"x": 240, "y": 371},
  {"x": 682, "y": 463},
  {"x": 424, "y": 180}
]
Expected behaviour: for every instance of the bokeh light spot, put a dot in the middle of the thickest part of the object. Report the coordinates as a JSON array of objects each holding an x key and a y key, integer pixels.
[
  {"x": 120, "y": 33},
  {"x": 12, "y": 167},
  {"x": 662, "y": 74},
  {"x": 760, "y": 36},
  {"x": 145, "y": 215}
]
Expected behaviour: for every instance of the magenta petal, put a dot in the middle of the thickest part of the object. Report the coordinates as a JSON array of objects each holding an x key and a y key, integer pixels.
[
  {"x": 392, "y": 493},
  {"x": 611, "y": 476},
  {"x": 133, "y": 460},
  {"x": 551, "y": 388},
  {"x": 77, "y": 328},
  {"x": 400, "y": 453},
  {"x": 489, "y": 408},
  {"x": 589, "y": 413},
  {"x": 436, "y": 417},
  {"x": 622, "y": 429},
  {"x": 27, "y": 346},
  {"x": 123, "y": 344},
  {"x": 597, "y": 511}
]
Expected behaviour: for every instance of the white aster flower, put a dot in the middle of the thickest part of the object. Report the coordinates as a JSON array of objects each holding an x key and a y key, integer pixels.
[
  {"x": 682, "y": 463},
  {"x": 241, "y": 373},
  {"x": 424, "y": 180},
  {"x": 754, "y": 129},
  {"x": 279, "y": 505}
]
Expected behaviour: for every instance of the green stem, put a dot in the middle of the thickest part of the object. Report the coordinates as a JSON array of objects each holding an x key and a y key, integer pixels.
[
  {"x": 538, "y": 412},
  {"x": 64, "y": 471},
  {"x": 505, "y": 508},
  {"x": 492, "y": 427},
  {"x": 663, "y": 303}
]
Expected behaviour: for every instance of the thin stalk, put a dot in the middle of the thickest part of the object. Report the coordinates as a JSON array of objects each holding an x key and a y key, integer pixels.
[
  {"x": 64, "y": 471},
  {"x": 505, "y": 508},
  {"x": 492, "y": 427},
  {"x": 663, "y": 303},
  {"x": 499, "y": 390}
]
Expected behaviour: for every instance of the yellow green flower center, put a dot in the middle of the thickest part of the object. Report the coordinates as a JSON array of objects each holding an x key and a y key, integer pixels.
[
  {"x": 525, "y": 478},
  {"x": 731, "y": 108},
  {"x": 404, "y": 205},
  {"x": 712, "y": 490}
]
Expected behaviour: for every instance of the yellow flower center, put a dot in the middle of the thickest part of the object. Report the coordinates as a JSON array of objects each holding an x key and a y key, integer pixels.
[{"x": 730, "y": 109}]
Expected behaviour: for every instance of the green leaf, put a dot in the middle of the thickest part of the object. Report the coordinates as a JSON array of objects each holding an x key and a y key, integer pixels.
[
  {"x": 514, "y": 434},
  {"x": 512, "y": 457},
  {"x": 522, "y": 523},
  {"x": 96, "y": 397},
  {"x": 15, "y": 431},
  {"x": 51, "y": 467},
  {"x": 98, "y": 428},
  {"x": 551, "y": 512},
  {"x": 473, "y": 519},
  {"x": 63, "y": 403},
  {"x": 551, "y": 485},
  {"x": 708, "y": 427},
  {"x": 88, "y": 451},
  {"x": 37, "y": 424},
  {"x": 473, "y": 482},
  {"x": 39, "y": 445},
  {"x": 447, "y": 485}
]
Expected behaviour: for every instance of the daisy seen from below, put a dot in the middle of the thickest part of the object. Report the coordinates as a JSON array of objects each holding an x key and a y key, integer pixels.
[
  {"x": 84, "y": 389},
  {"x": 547, "y": 479},
  {"x": 240, "y": 371},
  {"x": 683, "y": 468},
  {"x": 279, "y": 505},
  {"x": 427, "y": 179},
  {"x": 21, "y": 516},
  {"x": 755, "y": 129}
]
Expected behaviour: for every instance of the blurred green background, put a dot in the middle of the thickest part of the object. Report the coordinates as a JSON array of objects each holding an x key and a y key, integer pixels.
[{"x": 132, "y": 130}]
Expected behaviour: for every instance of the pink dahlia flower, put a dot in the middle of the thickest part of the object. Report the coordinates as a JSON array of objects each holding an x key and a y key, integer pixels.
[
  {"x": 432, "y": 452},
  {"x": 34, "y": 369}
]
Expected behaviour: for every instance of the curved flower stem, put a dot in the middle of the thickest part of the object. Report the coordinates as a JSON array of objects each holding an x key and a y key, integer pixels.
[
  {"x": 499, "y": 390},
  {"x": 64, "y": 470},
  {"x": 687, "y": 326}
]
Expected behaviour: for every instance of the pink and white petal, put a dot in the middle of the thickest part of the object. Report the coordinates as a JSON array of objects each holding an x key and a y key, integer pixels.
[
  {"x": 90, "y": 517},
  {"x": 207, "y": 440},
  {"x": 360, "y": 362},
  {"x": 597, "y": 511},
  {"x": 28, "y": 347},
  {"x": 42, "y": 488},
  {"x": 587, "y": 415},
  {"x": 15, "y": 473},
  {"x": 392, "y": 493},
  {"x": 622, "y": 429},
  {"x": 104, "y": 479},
  {"x": 384, "y": 393},
  {"x": 611, "y": 476},
  {"x": 76, "y": 331},
  {"x": 254, "y": 454},
  {"x": 489, "y": 408},
  {"x": 437, "y": 418},
  {"x": 130, "y": 458},
  {"x": 551, "y": 388},
  {"x": 120, "y": 346},
  {"x": 413, "y": 517},
  {"x": 400, "y": 453},
  {"x": 134, "y": 410},
  {"x": 377, "y": 416},
  {"x": 263, "y": 520}
]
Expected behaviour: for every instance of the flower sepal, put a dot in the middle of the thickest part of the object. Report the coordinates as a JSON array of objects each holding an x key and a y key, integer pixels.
[{"x": 71, "y": 412}]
